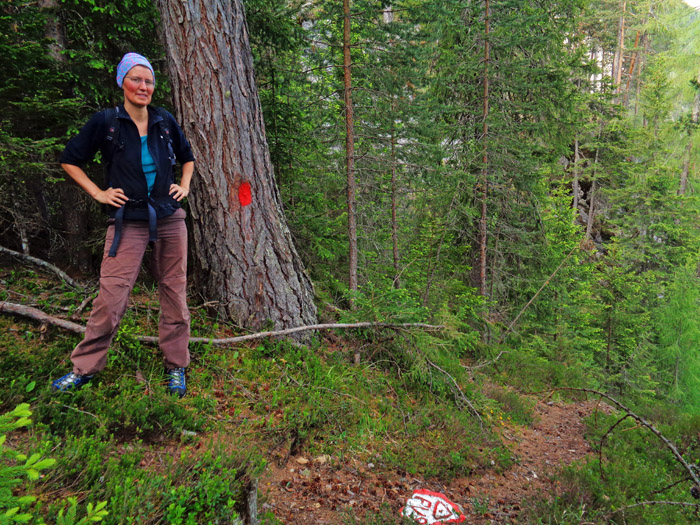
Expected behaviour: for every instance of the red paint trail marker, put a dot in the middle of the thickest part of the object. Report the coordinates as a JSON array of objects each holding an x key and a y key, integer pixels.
[
  {"x": 432, "y": 508},
  {"x": 244, "y": 194}
]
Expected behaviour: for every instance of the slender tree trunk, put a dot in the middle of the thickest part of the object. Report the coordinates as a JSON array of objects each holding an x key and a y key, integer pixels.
[
  {"x": 244, "y": 257},
  {"x": 349, "y": 150},
  {"x": 53, "y": 32},
  {"x": 686, "y": 166},
  {"x": 394, "y": 223},
  {"x": 494, "y": 256},
  {"x": 619, "y": 52},
  {"x": 485, "y": 159},
  {"x": 591, "y": 211},
  {"x": 608, "y": 352},
  {"x": 631, "y": 71},
  {"x": 73, "y": 212},
  {"x": 591, "y": 202},
  {"x": 645, "y": 39},
  {"x": 691, "y": 132},
  {"x": 576, "y": 185}
]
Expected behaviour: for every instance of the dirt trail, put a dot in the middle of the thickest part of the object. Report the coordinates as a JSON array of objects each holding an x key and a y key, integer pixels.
[{"x": 310, "y": 491}]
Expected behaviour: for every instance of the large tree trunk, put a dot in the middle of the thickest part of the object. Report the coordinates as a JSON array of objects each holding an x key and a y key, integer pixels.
[{"x": 244, "y": 256}]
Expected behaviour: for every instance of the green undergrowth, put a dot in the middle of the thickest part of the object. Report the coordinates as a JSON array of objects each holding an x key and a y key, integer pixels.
[
  {"x": 413, "y": 403},
  {"x": 408, "y": 406},
  {"x": 153, "y": 458}
]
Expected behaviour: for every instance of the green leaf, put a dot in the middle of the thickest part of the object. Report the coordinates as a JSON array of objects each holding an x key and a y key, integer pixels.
[{"x": 97, "y": 64}]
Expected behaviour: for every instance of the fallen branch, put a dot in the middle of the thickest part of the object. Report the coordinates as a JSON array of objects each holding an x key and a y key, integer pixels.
[
  {"x": 43, "y": 264},
  {"x": 78, "y": 311},
  {"x": 671, "y": 485},
  {"x": 547, "y": 281},
  {"x": 644, "y": 423},
  {"x": 38, "y": 315},
  {"x": 484, "y": 365},
  {"x": 602, "y": 442},
  {"x": 696, "y": 506},
  {"x": 289, "y": 331},
  {"x": 461, "y": 396}
]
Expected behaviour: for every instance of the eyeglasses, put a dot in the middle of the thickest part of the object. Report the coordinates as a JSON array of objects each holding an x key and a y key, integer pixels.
[{"x": 138, "y": 80}]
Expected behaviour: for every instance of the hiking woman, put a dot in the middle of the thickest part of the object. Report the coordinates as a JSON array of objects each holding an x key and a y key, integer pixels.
[{"x": 140, "y": 144}]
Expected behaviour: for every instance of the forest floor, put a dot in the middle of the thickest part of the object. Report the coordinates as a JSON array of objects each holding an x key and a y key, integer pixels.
[{"x": 313, "y": 490}]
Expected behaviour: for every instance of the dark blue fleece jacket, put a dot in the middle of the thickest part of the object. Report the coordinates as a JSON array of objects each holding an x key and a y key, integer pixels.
[{"x": 122, "y": 157}]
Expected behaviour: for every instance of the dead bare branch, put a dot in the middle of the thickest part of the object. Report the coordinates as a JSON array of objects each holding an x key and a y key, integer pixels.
[
  {"x": 602, "y": 441},
  {"x": 82, "y": 306},
  {"x": 671, "y": 485},
  {"x": 485, "y": 364},
  {"x": 546, "y": 282},
  {"x": 461, "y": 397},
  {"x": 689, "y": 468},
  {"x": 696, "y": 506},
  {"x": 42, "y": 264},
  {"x": 38, "y": 315}
]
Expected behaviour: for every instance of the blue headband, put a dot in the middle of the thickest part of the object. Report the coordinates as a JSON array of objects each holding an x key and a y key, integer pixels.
[{"x": 128, "y": 62}]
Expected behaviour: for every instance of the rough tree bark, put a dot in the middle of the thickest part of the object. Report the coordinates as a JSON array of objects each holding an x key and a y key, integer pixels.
[{"x": 243, "y": 254}]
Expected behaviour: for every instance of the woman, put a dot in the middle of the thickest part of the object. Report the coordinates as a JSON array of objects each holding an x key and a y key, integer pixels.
[{"x": 140, "y": 145}]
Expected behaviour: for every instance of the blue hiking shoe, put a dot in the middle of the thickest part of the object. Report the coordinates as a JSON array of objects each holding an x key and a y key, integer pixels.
[
  {"x": 177, "y": 384},
  {"x": 71, "y": 381}
]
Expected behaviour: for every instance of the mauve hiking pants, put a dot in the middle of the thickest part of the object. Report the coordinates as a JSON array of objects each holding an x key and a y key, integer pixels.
[{"x": 117, "y": 277}]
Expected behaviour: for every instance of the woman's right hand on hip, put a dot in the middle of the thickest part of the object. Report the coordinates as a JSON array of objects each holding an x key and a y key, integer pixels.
[{"x": 112, "y": 196}]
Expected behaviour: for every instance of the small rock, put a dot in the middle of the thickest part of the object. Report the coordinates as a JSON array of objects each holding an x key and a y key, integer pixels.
[{"x": 302, "y": 460}]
